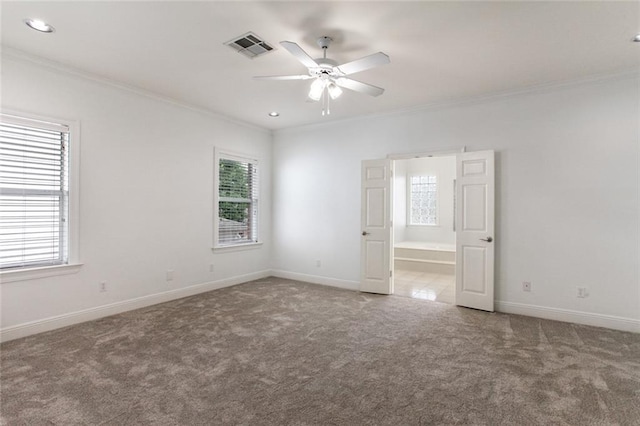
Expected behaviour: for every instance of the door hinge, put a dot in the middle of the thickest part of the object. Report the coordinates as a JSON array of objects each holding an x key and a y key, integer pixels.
[{"x": 390, "y": 274}]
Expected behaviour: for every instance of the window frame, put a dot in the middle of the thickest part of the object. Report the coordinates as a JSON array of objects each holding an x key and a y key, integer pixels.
[
  {"x": 222, "y": 154},
  {"x": 72, "y": 264},
  {"x": 409, "y": 200}
]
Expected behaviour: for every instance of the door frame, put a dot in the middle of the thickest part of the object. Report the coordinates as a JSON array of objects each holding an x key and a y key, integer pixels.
[{"x": 435, "y": 153}]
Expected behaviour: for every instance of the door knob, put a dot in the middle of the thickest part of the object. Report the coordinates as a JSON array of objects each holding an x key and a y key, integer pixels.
[
  {"x": 365, "y": 233},
  {"x": 488, "y": 239}
]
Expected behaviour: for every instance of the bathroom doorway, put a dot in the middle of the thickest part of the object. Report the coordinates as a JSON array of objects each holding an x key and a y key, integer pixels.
[
  {"x": 424, "y": 243},
  {"x": 473, "y": 229}
]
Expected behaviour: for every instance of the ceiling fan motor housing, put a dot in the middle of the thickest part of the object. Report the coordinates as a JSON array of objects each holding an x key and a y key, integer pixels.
[
  {"x": 324, "y": 42},
  {"x": 326, "y": 67}
]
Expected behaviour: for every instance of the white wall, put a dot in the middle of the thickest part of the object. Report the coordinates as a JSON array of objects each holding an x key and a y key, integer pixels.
[
  {"x": 146, "y": 183},
  {"x": 444, "y": 168},
  {"x": 400, "y": 201},
  {"x": 567, "y": 191}
]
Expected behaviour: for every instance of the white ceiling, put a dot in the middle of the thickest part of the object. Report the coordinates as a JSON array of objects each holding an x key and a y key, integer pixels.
[{"x": 439, "y": 51}]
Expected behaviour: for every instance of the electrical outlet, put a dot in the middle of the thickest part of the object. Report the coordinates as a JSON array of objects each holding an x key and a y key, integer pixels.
[
  {"x": 526, "y": 286},
  {"x": 170, "y": 275},
  {"x": 318, "y": 263},
  {"x": 583, "y": 292},
  {"x": 211, "y": 267},
  {"x": 103, "y": 286}
]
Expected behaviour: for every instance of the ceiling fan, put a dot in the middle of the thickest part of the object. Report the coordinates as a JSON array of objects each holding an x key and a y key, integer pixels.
[{"x": 328, "y": 77}]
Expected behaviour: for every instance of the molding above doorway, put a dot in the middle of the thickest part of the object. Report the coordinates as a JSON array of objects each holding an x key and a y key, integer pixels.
[{"x": 434, "y": 153}]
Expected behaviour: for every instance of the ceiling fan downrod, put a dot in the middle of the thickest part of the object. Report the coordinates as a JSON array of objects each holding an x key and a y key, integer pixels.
[{"x": 324, "y": 43}]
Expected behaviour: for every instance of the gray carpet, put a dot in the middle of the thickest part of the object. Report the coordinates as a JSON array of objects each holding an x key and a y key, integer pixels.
[{"x": 279, "y": 352}]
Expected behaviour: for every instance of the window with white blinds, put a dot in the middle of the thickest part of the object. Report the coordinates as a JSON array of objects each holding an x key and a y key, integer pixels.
[
  {"x": 34, "y": 193},
  {"x": 237, "y": 200}
]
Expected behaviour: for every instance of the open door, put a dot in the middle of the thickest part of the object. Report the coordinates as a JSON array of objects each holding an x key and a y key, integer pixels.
[
  {"x": 475, "y": 195},
  {"x": 376, "y": 264}
]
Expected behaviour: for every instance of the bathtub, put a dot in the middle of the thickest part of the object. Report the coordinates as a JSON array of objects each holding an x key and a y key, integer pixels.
[{"x": 425, "y": 257}]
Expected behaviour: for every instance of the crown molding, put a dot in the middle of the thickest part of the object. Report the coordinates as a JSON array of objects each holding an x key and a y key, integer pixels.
[
  {"x": 624, "y": 74},
  {"x": 16, "y": 54},
  {"x": 19, "y": 55}
]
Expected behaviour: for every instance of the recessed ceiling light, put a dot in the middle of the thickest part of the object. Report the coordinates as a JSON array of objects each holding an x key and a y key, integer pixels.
[
  {"x": 274, "y": 114},
  {"x": 636, "y": 38},
  {"x": 39, "y": 25}
]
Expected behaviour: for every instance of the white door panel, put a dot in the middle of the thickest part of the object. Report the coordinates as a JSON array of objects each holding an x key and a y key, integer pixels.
[
  {"x": 375, "y": 260},
  {"x": 474, "y": 237},
  {"x": 376, "y": 250},
  {"x": 375, "y": 216},
  {"x": 475, "y": 215},
  {"x": 473, "y": 260}
]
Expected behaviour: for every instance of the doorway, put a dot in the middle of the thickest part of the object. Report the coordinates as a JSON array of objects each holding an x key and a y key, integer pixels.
[
  {"x": 424, "y": 242},
  {"x": 474, "y": 227}
]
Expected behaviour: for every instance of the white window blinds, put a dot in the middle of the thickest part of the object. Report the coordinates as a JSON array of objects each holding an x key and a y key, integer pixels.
[
  {"x": 237, "y": 201},
  {"x": 34, "y": 192}
]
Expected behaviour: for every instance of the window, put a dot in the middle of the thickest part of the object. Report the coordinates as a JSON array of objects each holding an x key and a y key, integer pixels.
[
  {"x": 423, "y": 199},
  {"x": 236, "y": 188},
  {"x": 34, "y": 193}
]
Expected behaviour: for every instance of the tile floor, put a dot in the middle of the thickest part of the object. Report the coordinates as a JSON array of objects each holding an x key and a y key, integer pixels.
[{"x": 425, "y": 285}]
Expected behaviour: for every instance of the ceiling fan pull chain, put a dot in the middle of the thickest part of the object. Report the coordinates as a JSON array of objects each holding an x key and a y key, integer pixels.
[{"x": 325, "y": 102}]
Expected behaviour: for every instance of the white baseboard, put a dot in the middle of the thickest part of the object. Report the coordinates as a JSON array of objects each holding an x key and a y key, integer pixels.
[
  {"x": 565, "y": 315},
  {"x": 52, "y": 323},
  {"x": 317, "y": 279}
]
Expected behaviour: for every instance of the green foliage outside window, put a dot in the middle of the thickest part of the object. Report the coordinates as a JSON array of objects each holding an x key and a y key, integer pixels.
[
  {"x": 238, "y": 212},
  {"x": 235, "y": 183},
  {"x": 234, "y": 180}
]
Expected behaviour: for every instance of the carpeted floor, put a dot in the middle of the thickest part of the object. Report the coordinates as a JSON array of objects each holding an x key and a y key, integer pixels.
[{"x": 279, "y": 352}]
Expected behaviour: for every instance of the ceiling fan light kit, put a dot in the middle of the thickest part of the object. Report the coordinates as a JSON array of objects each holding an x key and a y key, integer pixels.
[
  {"x": 317, "y": 88},
  {"x": 328, "y": 76},
  {"x": 334, "y": 90}
]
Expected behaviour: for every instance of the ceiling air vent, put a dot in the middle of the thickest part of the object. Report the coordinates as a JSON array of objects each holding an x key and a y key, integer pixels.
[{"x": 250, "y": 45}]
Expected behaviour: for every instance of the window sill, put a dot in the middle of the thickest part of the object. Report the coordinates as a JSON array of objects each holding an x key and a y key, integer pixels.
[
  {"x": 236, "y": 247},
  {"x": 36, "y": 273}
]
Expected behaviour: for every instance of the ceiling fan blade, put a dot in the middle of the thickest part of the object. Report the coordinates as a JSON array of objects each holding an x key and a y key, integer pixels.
[
  {"x": 282, "y": 77},
  {"x": 357, "y": 86},
  {"x": 300, "y": 54},
  {"x": 365, "y": 63}
]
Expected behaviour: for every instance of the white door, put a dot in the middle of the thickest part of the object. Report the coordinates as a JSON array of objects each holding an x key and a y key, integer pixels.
[
  {"x": 376, "y": 265},
  {"x": 475, "y": 229}
]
